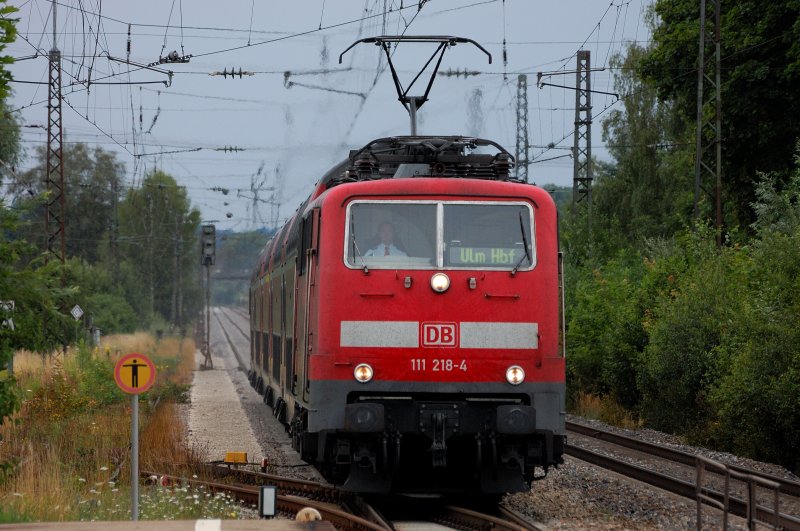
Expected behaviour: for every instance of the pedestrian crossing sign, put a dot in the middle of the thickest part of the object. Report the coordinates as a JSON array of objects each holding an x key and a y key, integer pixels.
[{"x": 135, "y": 373}]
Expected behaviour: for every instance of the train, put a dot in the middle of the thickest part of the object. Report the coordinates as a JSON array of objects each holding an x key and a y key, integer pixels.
[{"x": 407, "y": 322}]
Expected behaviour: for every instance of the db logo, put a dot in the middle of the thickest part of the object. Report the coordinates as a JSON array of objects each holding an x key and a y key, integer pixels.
[{"x": 439, "y": 334}]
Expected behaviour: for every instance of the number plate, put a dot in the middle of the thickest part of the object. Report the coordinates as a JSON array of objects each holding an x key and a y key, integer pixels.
[{"x": 438, "y": 365}]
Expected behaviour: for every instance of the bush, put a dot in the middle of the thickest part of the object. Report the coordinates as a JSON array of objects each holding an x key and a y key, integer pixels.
[
  {"x": 682, "y": 359},
  {"x": 758, "y": 399},
  {"x": 112, "y": 313},
  {"x": 605, "y": 333}
]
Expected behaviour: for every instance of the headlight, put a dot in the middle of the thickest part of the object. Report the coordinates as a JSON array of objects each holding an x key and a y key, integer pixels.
[
  {"x": 440, "y": 282},
  {"x": 363, "y": 372},
  {"x": 515, "y": 375}
]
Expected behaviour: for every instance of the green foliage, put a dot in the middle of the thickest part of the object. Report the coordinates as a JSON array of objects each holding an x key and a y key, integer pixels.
[
  {"x": 8, "y": 33},
  {"x": 9, "y": 142},
  {"x": 606, "y": 333},
  {"x": 159, "y": 238},
  {"x": 778, "y": 210},
  {"x": 758, "y": 396},
  {"x": 112, "y": 313},
  {"x": 95, "y": 378},
  {"x": 92, "y": 182},
  {"x": 681, "y": 359},
  {"x": 647, "y": 191},
  {"x": 760, "y": 75}
]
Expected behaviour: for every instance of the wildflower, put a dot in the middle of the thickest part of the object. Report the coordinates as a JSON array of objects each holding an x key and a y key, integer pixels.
[
  {"x": 29, "y": 390},
  {"x": 114, "y": 490},
  {"x": 112, "y": 483},
  {"x": 94, "y": 492},
  {"x": 194, "y": 476},
  {"x": 104, "y": 468},
  {"x": 82, "y": 480}
]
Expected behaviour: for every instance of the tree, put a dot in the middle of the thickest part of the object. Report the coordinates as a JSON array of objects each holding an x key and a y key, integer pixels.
[
  {"x": 92, "y": 186},
  {"x": 159, "y": 237},
  {"x": 9, "y": 128},
  {"x": 37, "y": 295},
  {"x": 8, "y": 33},
  {"x": 760, "y": 50},
  {"x": 647, "y": 192}
]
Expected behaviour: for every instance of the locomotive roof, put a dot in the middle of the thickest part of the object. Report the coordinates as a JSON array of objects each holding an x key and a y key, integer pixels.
[{"x": 417, "y": 156}]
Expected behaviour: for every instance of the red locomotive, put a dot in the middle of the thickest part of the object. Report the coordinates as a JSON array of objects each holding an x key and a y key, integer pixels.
[{"x": 407, "y": 323}]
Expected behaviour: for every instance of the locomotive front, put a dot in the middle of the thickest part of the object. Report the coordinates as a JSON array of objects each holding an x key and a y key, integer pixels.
[{"x": 435, "y": 353}]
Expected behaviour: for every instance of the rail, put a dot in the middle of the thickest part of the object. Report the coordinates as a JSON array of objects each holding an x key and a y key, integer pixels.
[
  {"x": 736, "y": 506},
  {"x": 285, "y": 504},
  {"x": 787, "y": 486}
]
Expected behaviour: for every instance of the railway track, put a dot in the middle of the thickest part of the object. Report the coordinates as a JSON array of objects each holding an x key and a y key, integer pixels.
[
  {"x": 748, "y": 507},
  {"x": 240, "y": 360},
  {"x": 344, "y": 510}
]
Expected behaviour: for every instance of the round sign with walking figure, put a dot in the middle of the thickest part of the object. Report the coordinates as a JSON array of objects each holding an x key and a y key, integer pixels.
[{"x": 135, "y": 373}]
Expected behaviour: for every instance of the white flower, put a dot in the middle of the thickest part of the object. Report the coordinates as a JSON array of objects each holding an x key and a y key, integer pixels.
[
  {"x": 82, "y": 480},
  {"x": 103, "y": 468}
]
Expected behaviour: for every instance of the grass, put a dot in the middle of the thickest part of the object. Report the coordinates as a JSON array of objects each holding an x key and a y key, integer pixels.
[
  {"x": 606, "y": 409},
  {"x": 70, "y": 441}
]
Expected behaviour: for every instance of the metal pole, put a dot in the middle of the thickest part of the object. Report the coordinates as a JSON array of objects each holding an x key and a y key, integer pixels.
[
  {"x": 208, "y": 361},
  {"x": 135, "y": 457},
  {"x": 412, "y": 111},
  {"x": 698, "y": 157},
  {"x": 718, "y": 101}
]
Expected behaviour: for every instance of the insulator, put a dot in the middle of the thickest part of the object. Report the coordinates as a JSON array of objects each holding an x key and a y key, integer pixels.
[
  {"x": 364, "y": 166},
  {"x": 502, "y": 165}
]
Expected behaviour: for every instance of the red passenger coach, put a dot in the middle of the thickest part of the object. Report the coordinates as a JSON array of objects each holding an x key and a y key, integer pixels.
[{"x": 407, "y": 321}]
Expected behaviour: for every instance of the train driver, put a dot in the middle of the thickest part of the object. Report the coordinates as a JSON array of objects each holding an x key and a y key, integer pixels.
[{"x": 386, "y": 246}]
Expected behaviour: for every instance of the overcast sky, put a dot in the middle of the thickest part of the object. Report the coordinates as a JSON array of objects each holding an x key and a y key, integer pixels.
[{"x": 292, "y": 134}]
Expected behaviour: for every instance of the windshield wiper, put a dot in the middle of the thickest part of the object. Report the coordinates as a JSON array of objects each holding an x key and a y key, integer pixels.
[
  {"x": 356, "y": 252},
  {"x": 525, "y": 243}
]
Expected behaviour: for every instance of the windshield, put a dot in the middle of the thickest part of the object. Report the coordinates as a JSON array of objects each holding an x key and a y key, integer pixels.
[
  {"x": 487, "y": 236},
  {"x": 393, "y": 234}
]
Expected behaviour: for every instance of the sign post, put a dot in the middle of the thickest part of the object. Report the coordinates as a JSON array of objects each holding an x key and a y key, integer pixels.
[{"x": 134, "y": 374}]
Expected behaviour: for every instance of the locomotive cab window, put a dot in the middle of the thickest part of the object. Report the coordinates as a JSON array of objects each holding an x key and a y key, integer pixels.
[
  {"x": 439, "y": 234},
  {"x": 391, "y": 235},
  {"x": 494, "y": 236}
]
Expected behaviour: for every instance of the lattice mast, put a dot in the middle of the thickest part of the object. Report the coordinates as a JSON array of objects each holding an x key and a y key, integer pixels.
[
  {"x": 708, "y": 149},
  {"x": 55, "y": 206},
  {"x": 523, "y": 143},
  {"x": 582, "y": 147}
]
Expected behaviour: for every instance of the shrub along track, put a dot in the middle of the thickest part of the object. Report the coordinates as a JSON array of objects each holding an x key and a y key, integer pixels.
[{"x": 614, "y": 453}]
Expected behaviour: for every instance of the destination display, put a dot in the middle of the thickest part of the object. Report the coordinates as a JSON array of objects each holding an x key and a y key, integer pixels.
[{"x": 487, "y": 256}]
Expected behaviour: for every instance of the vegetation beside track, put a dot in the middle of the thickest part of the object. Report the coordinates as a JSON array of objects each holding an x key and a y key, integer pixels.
[
  {"x": 69, "y": 444},
  {"x": 666, "y": 328}
]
